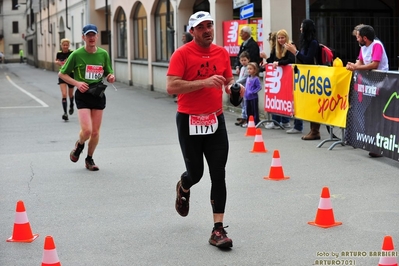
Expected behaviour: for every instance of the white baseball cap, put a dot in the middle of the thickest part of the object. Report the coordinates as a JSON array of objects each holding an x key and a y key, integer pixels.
[{"x": 199, "y": 17}]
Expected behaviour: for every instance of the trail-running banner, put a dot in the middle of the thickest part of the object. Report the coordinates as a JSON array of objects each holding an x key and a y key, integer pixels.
[
  {"x": 321, "y": 94},
  {"x": 373, "y": 119},
  {"x": 278, "y": 90}
]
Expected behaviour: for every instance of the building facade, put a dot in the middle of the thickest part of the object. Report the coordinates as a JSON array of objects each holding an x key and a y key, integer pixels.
[{"x": 142, "y": 35}]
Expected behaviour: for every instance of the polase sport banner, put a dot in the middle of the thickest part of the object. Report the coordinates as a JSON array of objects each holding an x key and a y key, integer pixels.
[
  {"x": 278, "y": 90},
  {"x": 373, "y": 118},
  {"x": 321, "y": 94}
]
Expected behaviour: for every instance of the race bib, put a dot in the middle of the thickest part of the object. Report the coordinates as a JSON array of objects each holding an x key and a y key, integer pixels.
[
  {"x": 94, "y": 72},
  {"x": 203, "y": 124}
]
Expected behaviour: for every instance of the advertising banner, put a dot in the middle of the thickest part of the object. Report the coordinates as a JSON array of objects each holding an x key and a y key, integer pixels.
[
  {"x": 279, "y": 90},
  {"x": 373, "y": 118},
  {"x": 321, "y": 94},
  {"x": 231, "y": 34}
]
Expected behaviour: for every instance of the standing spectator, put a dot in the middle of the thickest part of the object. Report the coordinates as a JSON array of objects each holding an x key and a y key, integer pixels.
[
  {"x": 242, "y": 79},
  {"x": 186, "y": 37},
  {"x": 279, "y": 56},
  {"x": 198, "y": 71},
  {"x": 89, "y": 64},
  {"x": 372, "y": 55},
  {"x": 252, "y": 87},
  {"x": 60, "y": 60},
  {"x": 249, "y": 45},
  {"x": 21, "y": 56},
  {"x": 309, "y": 48}
]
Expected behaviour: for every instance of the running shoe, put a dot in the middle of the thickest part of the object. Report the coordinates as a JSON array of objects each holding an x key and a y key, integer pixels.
[
  {"x": 219, "y": 238},
  {"x": 75, "y": 153},
  {"x": 71, "y": 109},
  {"x": 65, "y": 117},
  {"x": 91, "y": 165},
  {"x": 182, "y": 204}
]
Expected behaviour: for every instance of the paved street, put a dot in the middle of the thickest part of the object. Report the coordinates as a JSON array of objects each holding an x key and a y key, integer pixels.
[{"x": 124, "y": 214}]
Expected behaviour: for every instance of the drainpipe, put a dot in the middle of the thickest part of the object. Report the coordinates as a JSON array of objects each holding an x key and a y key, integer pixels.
[
  {"x": 170, "y": 37},
  {"x": 50, "y": 30},
  {"x": 40, "y": 11},
  {"x": 107, "y": 30},
  {"x": 66, "y": 14}
]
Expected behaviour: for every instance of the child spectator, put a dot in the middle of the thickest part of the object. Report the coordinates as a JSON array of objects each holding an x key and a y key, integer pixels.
[
  {"x": 242, "y": 78},
  {"x": 252, "y": 87}
]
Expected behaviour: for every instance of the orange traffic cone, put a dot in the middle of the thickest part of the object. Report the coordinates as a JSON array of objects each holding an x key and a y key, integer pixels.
[
  {"x": 259, "y": 145},
  {"x": 389, "y": 257},
  {"x": 276, "y": 170},
  {"x": 50, "y": 256},
  {"x": 251, "y": 128},
  {"x": 22, "y": 231},
  {"x": 325, "y": 214}
]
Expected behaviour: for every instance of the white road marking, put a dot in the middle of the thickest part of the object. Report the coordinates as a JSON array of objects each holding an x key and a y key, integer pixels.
[{"x": 43, "y": 104}]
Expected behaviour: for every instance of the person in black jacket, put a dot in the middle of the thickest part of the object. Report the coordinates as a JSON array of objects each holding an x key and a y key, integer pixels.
[
  {"x": 249, "y": 45},
  {"x": 309, "y": 47}
]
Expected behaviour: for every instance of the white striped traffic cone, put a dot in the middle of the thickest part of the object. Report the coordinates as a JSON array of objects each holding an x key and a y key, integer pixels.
[
  {"x": 387, "y": 258},
  {"x": 325, "y": 214},
  {"x": 21, "y": 231},
  {"x": 50, "y": 256},
  {"x": 259, "y": 145},
  {"x": 276, "y": 172}
]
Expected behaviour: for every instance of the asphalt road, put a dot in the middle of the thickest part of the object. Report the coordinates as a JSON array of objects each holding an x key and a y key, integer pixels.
[{"x": 124, "y": 214}]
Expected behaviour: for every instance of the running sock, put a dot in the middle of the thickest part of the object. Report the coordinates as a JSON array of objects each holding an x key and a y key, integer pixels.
[
  {"x": 64, "y": 104},
  {"x": 184, "y": 194},
  {"x": 71, "y": 101},
  {"x": 89, "y": 157},
  {"x": 218, "y": 225}
]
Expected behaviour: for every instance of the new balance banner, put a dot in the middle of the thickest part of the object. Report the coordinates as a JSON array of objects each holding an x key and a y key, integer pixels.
[
  {"x": 278, "y": 90},
  {"x": 321, "y": 94},
  {"x": 373, "y": 119}
]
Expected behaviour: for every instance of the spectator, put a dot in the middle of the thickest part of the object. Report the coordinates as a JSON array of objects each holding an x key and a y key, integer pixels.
[
  {"x": 372, "y": 55},
  {"x": 309, "y": 47},
  {"x": 90, "y": 65},
  {"x": 60, "y": 60},
  {"x": 21, "y": 56},
  {"x": 252, "y": 87},
  {"x": 186, "y": 37},
  {"x": 198, "y": 71},
  {"x": 249, "y": 45},
  {"x": 242, "y": 78},
  {"x": 279, "y": 56}
]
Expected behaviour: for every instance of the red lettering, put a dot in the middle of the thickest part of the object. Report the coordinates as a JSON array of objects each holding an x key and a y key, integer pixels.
[{"x": 332, "y": 103}]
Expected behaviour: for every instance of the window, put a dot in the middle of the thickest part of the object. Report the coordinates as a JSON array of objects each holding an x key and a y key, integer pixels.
[
  {"x": 15, "y": 49},
  {"x": 164, "y": 31},
  {"x": 15, "y": 27},
  {"x": 14, "y": 5},
  {"x": 121, "y": 34},
  {"x": 140, "y": 34}
]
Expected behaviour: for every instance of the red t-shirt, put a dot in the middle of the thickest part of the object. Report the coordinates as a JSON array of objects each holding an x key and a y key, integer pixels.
[{"x": 193, "y": 62}]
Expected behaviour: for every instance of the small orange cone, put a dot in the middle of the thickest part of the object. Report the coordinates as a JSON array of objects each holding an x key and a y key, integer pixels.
[
  {"x": 276, "y": 170},
  {"x": 388, "y": 258},
  {"x": 22, "y": 231},
  {"x": 325, "y": 214},
  {"x": 50, "y": 256},
  {"x": 251, "y": 128},
  {"x": 259, "y": 145}
]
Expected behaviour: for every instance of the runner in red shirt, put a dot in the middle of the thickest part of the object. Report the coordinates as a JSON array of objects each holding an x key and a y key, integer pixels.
[{"x": 198, "y": 72}]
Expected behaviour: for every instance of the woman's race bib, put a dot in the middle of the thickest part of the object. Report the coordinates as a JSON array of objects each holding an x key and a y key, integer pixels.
[{"x": 203, "y": 124}]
